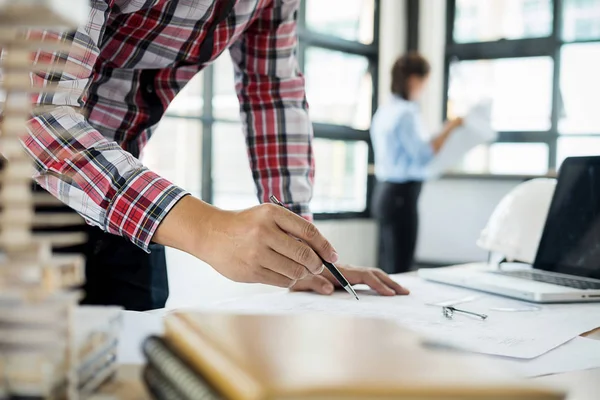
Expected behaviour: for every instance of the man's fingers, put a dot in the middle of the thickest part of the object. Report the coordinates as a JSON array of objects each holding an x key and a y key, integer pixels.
[
  {"x": 269, "y": 277},
  {"x": 296, "y": 251},
  {"x": 304, "y": 230},
  {"x": 386, "y": 279},
  {"x": 284, "y": 266},
  {"x": 316, "y": 283},
  {"x": 371, "y": 279}
]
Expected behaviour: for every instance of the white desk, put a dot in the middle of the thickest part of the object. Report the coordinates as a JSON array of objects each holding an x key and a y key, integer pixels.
[{"x": 582, "y": 385}]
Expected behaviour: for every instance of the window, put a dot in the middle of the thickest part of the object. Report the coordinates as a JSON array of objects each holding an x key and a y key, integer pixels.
[
  {"x": 500, "y": 80},
  {"x": 225, "y": 102},
  {"x": 341, "y": 176},
  {"x": 347, "y": 19},
  {"x": 339, "y": 88},
  {"x": 581, "y": 20},
  {"x": 233, "y": 186},
  {"x": 580, "y": 63},
  {"x": 489, "y": 20},
  {"x": 538, "y": 60},
  {"x": 174, "y": 151},
  {"x": 200, "y": 146}
]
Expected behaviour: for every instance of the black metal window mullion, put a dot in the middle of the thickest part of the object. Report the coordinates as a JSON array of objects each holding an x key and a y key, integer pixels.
[
  {"x": 301, "y": 44},
  {"x": 412, "y": 24},
  {"x": 556, "y": 94},
  {"x": 448, "y": 58}
]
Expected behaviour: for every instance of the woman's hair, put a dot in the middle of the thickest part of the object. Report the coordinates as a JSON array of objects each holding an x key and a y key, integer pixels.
[{"x": 409, "y": 64}]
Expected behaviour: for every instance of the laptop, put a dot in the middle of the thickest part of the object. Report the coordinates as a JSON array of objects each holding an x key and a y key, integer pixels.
[{"x": 567, "y": 263}]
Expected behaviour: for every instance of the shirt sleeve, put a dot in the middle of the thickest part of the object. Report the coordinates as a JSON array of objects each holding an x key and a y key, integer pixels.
[
  {"x": 273, "y": 107},
  {"x": 417, "y": 150},
  {"x": 105, "y": 184}
]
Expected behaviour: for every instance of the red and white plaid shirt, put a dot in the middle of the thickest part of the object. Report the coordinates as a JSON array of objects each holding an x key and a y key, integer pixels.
[{"x": 125, "y": 67}]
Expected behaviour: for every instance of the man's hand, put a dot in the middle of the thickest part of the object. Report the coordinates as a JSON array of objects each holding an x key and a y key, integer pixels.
[
  {"x": 254, "y": 246},
  {"x": 375, "y": 278}
]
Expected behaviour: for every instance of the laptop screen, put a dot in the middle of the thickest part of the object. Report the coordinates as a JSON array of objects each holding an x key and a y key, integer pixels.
[{"x": 570, "y": 242}]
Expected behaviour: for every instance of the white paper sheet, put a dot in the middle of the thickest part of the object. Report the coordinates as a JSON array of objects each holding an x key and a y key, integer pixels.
[
  {"x": 576, "y": 355},
  {"x": 137, "y": 326},
  {"x": 476, "y": 130},
  {"x": 525, "y": 335}
]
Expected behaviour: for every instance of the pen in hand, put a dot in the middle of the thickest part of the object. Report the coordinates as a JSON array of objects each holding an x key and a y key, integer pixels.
[{"x": 330, "y": 266}]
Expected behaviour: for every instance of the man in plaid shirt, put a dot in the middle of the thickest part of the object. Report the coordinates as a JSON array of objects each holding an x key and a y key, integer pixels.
[{"x": 124, "y": 68}]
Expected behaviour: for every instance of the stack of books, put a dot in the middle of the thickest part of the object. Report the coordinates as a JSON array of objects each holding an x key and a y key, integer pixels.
[{"x": 271, "y": 357}]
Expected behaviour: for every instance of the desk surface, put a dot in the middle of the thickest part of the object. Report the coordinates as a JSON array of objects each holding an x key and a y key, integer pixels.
[{"x": 581, "y": 385}]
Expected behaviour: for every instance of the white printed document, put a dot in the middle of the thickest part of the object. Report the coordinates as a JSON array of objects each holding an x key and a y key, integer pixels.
[
  {"x": 526, "y": 333},
  {"x": 476, "y": 130}
]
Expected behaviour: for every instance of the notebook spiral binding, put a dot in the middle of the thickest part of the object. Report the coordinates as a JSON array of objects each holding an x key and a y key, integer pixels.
[{"x": 167, "y": 370}]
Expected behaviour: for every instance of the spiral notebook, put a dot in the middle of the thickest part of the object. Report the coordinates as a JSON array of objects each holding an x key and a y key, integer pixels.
[
  {"x": 312, "y": 356},
  {"x": 167, "y": 376}
]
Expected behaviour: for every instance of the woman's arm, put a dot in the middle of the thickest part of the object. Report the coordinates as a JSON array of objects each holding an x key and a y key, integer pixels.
[{"x": 438, "y": 142}]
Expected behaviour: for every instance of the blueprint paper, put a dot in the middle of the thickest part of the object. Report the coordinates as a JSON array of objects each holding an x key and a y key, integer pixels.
[
  {"x": 512, "y": 334},
  {"x": 476, "y": 130}
]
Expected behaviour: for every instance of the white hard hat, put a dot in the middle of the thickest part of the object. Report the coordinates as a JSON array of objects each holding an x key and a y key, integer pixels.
[{"x": 515, "y": 227}]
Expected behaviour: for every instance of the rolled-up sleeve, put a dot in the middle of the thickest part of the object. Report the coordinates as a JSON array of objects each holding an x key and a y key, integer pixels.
[
  {"x": 274, "y": 110},
  {"x": 97, "y": 178}
]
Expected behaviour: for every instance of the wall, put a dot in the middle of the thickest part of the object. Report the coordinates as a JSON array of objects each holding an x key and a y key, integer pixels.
[
  {"x": 355, "y": 240},
  {"x": 452, "y": 214}
]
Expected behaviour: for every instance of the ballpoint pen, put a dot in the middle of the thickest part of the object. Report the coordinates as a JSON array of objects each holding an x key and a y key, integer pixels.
[{"x": 332, "y": 268}]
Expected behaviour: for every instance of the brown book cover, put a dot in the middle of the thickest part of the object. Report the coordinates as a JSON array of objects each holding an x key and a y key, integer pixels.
[{"x": 312, "y": 356}]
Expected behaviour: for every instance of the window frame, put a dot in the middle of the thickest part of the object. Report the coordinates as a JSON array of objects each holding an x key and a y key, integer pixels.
[
  {"x": 307, "y": 39},
  {"x": 516, "y": 48}
]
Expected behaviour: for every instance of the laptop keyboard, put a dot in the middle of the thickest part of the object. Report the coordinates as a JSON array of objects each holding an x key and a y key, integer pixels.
[{"x": 553, "y": 279}]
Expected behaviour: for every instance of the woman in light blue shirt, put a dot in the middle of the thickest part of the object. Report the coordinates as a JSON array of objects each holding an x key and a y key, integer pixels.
[{"x": 401, "y": 157}]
